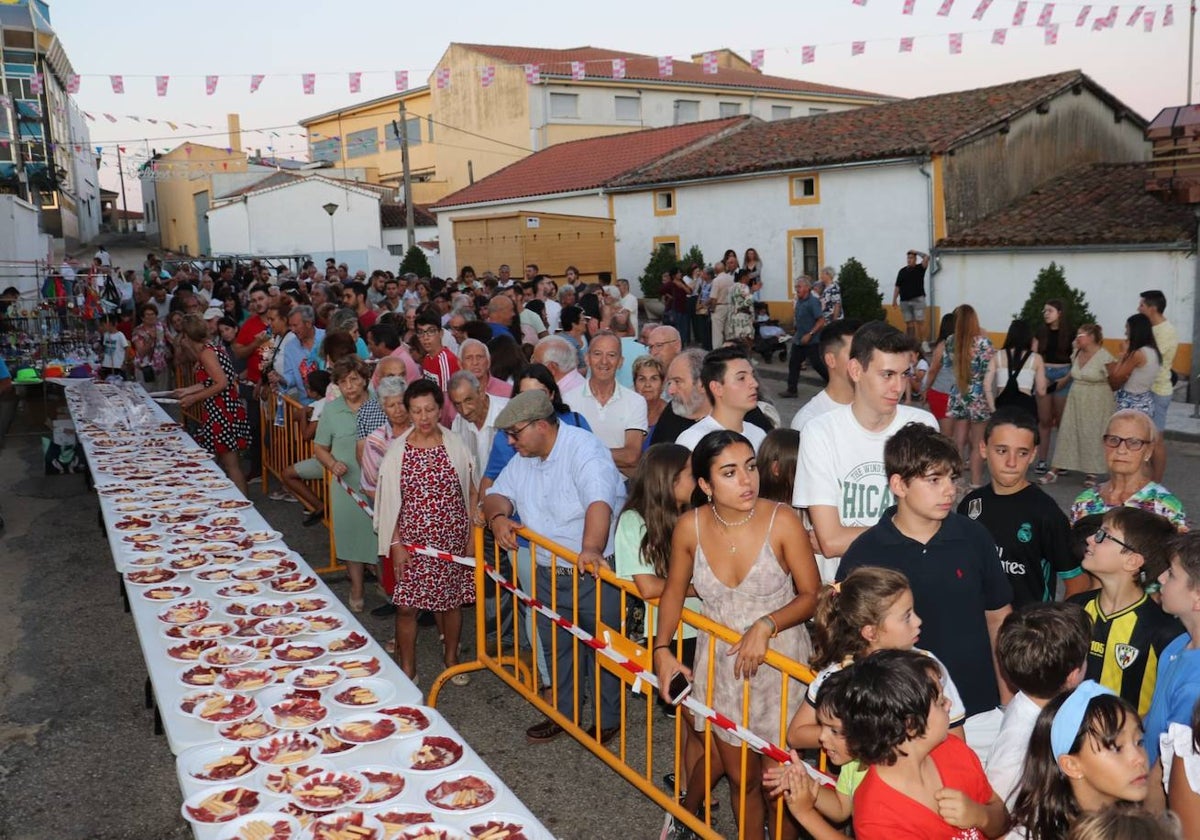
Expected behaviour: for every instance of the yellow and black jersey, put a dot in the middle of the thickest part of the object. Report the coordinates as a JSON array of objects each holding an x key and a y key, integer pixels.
[{"x": 1126, "y": 646}]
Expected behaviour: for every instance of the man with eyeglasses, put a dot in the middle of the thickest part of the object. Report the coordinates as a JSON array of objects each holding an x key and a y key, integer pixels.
[
  {"x": 439, "y": 364},
  {"x": 665, "y": 344},
  {"x": 563, "y": 484}
]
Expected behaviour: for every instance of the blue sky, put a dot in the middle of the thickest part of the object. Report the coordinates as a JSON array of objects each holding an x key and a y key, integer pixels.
[{"x": 141, "y": 39}]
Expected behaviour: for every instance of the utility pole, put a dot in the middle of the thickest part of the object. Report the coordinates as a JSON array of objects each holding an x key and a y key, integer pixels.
[
  {"x": 124, "y": 203},
  {"x": 408, "y": 203},
  {"x": 1191, "y": 47}
]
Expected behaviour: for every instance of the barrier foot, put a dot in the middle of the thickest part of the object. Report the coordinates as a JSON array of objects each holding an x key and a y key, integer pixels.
[
  {"x": 514, "y": 663},
  {"x": 449, "y": 674}
]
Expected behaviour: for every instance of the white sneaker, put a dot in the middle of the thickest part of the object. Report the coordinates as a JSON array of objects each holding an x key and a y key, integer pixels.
[{"x": 280, "y": 496}]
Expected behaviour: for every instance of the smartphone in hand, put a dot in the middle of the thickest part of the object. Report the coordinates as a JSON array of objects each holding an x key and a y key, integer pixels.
[{"x": 679, "y": 688}]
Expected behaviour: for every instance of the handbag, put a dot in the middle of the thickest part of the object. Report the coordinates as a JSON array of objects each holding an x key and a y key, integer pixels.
[{"x": 1012, "y": 395}]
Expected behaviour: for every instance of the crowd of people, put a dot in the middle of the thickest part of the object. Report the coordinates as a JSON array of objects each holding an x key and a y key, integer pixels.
[{"x": 986, "y": 661}]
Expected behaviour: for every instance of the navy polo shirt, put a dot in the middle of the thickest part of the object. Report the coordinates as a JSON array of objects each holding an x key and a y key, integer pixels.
[{"x": 956, "y": 577}]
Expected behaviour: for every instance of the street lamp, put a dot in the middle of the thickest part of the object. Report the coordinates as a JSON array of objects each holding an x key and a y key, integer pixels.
[{"x": 331, "y": 208}]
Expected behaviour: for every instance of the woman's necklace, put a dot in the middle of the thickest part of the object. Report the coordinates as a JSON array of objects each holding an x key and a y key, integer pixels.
[{"x": 728, "y": 526}]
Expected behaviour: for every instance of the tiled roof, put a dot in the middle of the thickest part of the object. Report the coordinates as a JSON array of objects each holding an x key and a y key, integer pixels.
[
  {"x": 1096, "y": 204},
  {"x": 275, "y": 179},
  {"x": 392, "y": 216},
  {"x": 645, "y": 68},
  {"x": 587, "y": 164},
  {"x": 910, "y": 127}
]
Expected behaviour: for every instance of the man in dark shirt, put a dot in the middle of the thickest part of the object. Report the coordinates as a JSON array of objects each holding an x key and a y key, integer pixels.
[
  {"x": 909, "y": 294},
  {"x": 808, "y": 322},
  {"x": 688, "y": 402}
]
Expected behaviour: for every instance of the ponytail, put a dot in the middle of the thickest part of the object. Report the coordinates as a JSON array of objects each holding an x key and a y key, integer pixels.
[{"x": 844, "y": 609}]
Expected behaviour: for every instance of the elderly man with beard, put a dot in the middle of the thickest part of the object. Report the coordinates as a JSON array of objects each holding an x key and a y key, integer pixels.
[{"x": 688, "y": 401}]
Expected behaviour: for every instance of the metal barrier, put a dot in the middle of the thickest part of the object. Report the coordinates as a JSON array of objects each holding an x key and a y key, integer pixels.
[
  {"x": 520, "y": 671},
  {"x": 186, "y": 375}
]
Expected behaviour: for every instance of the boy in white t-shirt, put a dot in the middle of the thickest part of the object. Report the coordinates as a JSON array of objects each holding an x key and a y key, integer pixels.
[
  {"x": 840, "y": 476},
  {"x": 834, "y": 348},
  {"x": 115, "y": 351},
  {"x": 1043, "y": 650}
]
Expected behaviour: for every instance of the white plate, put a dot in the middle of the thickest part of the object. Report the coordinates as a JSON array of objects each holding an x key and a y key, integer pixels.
[
  {"x": 284, "y": 627},
  {"x": 168, "y": 592},
  {"x": 368, "y": 719},
  {"x": 247, "y": 705},
  {"x": 421, "y": 830},
  {"x": 233, "y": 831},
  {"x": 426, "y": 795},
  {"x": 264, "y": 537},
  {"x": 403, "y": 754},
  {"x": 278, "y": 781},
  {"x": 235, "y": 589},
  {"x": 229, "y": 656},
  {"x": 188, "y": 612},
  {"x": 362, "y": 772},
  {"x": 153, "y": 576},
  {"x": 510, "y": 819},
  {"x": 192, "y": 763},
  {"x": 294, "y": 678},
  {"x": 354, "y": 787},
  {"x": 283, "y": 743},
  {"x": 199, "y": 796},
  {"x": 276, "y": 695},
  {"x": 382, "y": 689},
  {"x": 367, "y": 822}
]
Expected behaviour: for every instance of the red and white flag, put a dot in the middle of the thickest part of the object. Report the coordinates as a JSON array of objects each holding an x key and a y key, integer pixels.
[
  {"x": 402, "y": 80},
  {"x": 618, "y": 68},
  {"x": 1019, "y": 12},
  {"x": 118, "y": 83},
  {"x": 956, "y": 43},
  {"x": 443, "y": 78},
  {"x": 160, "y": 84},
  {"x": 578, "y": 70},
  {"x": 355, "y": 82},
  {"x": 944, "y": 9},
  {"x": 906, "y": 44},
  {"x": 1135, "y": 17},
  {"x": 1047, "y": 14},
  {"x": 666, "y": 65},
  {"x": 110, "y": 118},
  {"x": 710, "y": 62},
  {"x": 256, "y": 79},
  {"x": 210, "y": 84},
  {"x": 35, "y": 84},
  {"x": 1168, "y": 15},
  {"x": 999, "y": 36},
  {"x": 858, "y": 47},
  {"x": 1148, "y": 20},
  {"x": 757, "y": 57},
  {"x": 1082, "y": 17},
  {"x": 308, "y": 83},
  {"x": 1051, "y": 35},
  {"x": 808, "y": 54},
  {"x": 859, "y": 2},
  {"x": 907, "y": 8},
  {"x": 981, "y": 9},
  {"x": 533, "y": 74},
  {"x": 487, "y": 75},
  {"x": 72, "y": 83}
]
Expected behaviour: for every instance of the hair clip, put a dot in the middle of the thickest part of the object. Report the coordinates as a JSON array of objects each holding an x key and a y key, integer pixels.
[{"x": 836, "y": 586}]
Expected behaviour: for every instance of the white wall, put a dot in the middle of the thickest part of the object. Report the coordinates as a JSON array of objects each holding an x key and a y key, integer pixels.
[
  {"x": 150, "y": 197},
  {"x": 997, "y": 283},
  {"x": 20, "y": 244},
  {"x": 399, "y": 236},
  {"x": 873, "y": 213}
]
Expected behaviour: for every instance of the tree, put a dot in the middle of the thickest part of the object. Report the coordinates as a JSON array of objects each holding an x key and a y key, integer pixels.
[
  {"x": 694, "y": 256},
  {"x": 415, "y": 262},
  {"x": 663, "y": 260},
  {"x": 861, "y": 298},
  {"x": 1051, "y": 284}
]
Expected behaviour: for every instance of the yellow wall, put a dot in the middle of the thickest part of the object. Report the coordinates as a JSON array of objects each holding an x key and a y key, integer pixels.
[{"x": 184, "y": 174}]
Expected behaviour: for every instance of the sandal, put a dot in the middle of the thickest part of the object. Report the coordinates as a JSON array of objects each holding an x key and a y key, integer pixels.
[
  {"x": 1048, "y": 478},
  {"x": 461, "y": 679}
]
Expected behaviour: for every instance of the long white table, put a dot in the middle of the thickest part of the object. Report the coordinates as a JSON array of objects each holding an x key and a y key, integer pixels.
[{"x": 156, "y": 471}]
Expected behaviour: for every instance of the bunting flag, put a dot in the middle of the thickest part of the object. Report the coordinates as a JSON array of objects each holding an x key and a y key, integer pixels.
[
  {"x": 1136, "y": 16},
  {"x": 487, "y": 75},
  {"x": 1168, "y": 18},
  {"x": 443, "y": 78},
  {"x": 956, "y": 43},
  {"x": 131, "y": 117},
  {"x": 757, "y": 56},
  {"x": 944, "y": 9},
  {"x": 172, "y": 125},
  {"x": 1148, "y": 21},
  {"x": 533, "y": 74},
  {"x": 666, "y": 65},
  {"x": 160, "y": 84},
  {"x": 1082, "y": 17},
  {"x": 90, "y": 118},
  {"x": 210, "y": 84},
  {"x": 907, "y": 9},
  {"x": 1047, "y": 14},
  {"x": 35, "y": 84},
  {"x": 151, "y": 121},
  {"x": 618, "y": 68},
  {"x": 981, "y": 9},
  {"x": 710, "y": 62},
  {"x": 906, "y": 44},
  {"x": 808, "y": 54},
  {"x": 858, "y": 48},
  {"x": 72, "y": 83},
  {"x": 578, "y": 71},
  {"x": 1050, "y": 34},
  {"x": 860, "y": 2},
  {"x": 118, "y": 83},
  {"x": 1019, "y": 12},
  {"x": 355, "y": 82},
  {"x": 255, "y": 80},
  {"x": 308, "y": 83},
  {"x": 401, "y": 80},
  {"x": 110, "y": 118},
  {"x": 1108, "y": 21},
  {"x": 999, "y": 36}
]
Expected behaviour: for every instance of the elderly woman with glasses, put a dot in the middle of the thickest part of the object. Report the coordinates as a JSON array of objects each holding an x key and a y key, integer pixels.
[{"x": 1128, "y": 444}]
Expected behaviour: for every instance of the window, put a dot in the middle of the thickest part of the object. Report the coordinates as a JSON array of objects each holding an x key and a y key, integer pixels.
[
  {"x": 664, "y": 203},
  {"x": 804, "y": 189},
  {"x": 412, "y": 128},
  {"x": 781, "y": 112},
  {"x": 628, "y": 107},
  {"x": 686, "y": 111},
  {"x": 804, "y": 254},
  {"x": 330, "y": 149},
  {"x": 730, "y": 109},
  {"x": 396, "y": 250},
  {"x": 671, "y": 243},
  {"x": 812, "y": 112},
  {"x": 362, "y": 143},
  {"x": 564, "y": 106}
]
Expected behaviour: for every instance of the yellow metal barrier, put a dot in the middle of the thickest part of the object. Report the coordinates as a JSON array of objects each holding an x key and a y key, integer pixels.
[
  {"x": 521, "y": 672},
  {"x": 185, "y": 375}
]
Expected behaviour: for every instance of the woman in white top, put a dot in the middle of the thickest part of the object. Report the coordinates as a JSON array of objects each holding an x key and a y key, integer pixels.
[
  {"x": 1016, "y": 355},
  {"x": 1134, "y": 372}
]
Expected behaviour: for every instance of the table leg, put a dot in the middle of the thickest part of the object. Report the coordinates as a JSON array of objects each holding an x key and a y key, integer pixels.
[
  {"x": 149, "y": 694},
  {"x": 124, "y": 593}
]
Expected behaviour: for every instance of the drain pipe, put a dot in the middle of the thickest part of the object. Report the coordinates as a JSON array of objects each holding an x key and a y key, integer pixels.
[
  {"x": 1194, "y": 382},
  {"x": 930, "y": 286}
]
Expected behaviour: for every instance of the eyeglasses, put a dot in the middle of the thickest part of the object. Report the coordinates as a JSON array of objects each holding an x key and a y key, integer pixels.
[
  {"x": 1102, "y": 534},
  {"x": 659, "y": 344},
  {"x": 428, "y": 331},
  {"x": 1131, "y": 443},
  {"x": 514, "y": 432}
]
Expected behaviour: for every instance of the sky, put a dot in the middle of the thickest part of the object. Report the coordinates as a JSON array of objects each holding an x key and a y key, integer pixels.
[{"x": 140, "y": 39}]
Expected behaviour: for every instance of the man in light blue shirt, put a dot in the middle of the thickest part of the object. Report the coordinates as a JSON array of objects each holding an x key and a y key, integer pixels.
[
  {"x": 564, "y": 486},
  {"x": 304, "y": 354}
]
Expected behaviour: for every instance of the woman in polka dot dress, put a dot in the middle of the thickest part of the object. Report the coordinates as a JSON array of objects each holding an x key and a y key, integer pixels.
[{"x": 223, "y": 429}]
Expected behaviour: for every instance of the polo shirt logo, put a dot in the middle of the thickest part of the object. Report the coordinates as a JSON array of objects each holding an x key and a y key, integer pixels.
[
  {"x": 1125, "y": 655},
  {"x": 975, "y": 508},
  {"x": 1025, "y": 532}
]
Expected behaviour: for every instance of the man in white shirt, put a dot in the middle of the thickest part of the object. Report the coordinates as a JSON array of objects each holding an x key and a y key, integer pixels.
[
  {"x": 545, "y": 293},
  {"x": 840, "y": 477},
  {"x": 628, "y": 301},
  {"x": 835, "y": 350},
  {"x": 557, "y": 354},
  {"x": 732, "y": 388},
  {"x": 104, "y": 257},
  {"x": 616, "y": 414},
  {"x": 477, "y": 411},
  {"x": 718, "y": 301}
]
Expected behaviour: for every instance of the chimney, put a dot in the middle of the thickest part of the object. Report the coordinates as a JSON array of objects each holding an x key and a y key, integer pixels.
[
  {"x": 727, "y": 59},
  {"x": 235, "y": 132},
  {"x": 1174, "y": 137}
]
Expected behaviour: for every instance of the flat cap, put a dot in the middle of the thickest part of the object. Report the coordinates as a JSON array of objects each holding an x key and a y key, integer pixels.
[{"x": 525, "y": 407}]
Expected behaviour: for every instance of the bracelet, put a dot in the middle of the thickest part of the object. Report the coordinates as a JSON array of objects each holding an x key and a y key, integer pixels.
[
  {"x": 657, "y": 648},
  {"x": 774, "y": 626},
  {"x": 496, "y": 516}
]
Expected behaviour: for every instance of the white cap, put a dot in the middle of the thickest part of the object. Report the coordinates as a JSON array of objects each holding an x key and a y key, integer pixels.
[{"x": 213, "y": 312}]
